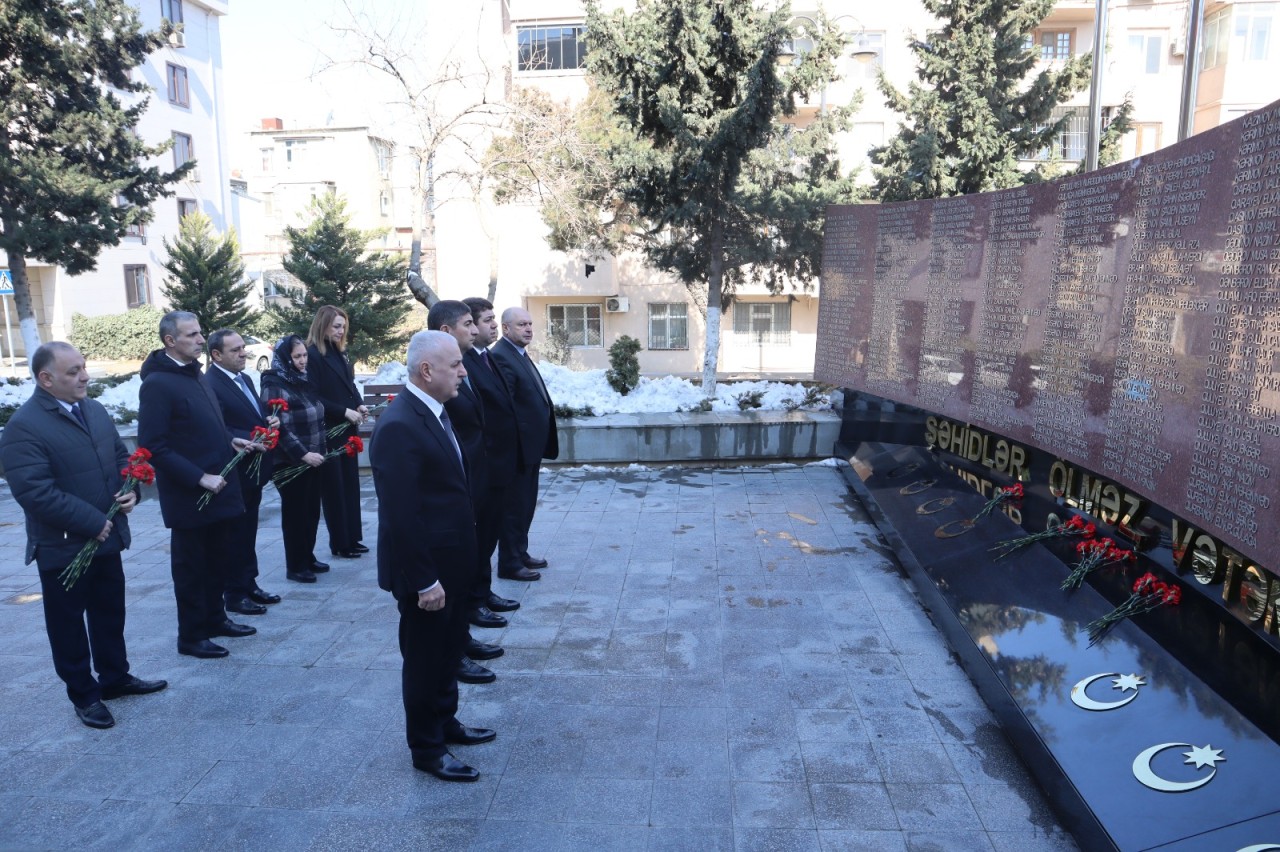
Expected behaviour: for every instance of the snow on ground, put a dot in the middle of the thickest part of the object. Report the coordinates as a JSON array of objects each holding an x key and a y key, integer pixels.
[{"x": 575, "y": 388}]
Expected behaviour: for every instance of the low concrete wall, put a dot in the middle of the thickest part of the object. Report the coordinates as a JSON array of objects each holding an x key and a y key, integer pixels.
[
  {"x": 698, "y": 436},
  {"x": 683, "y": 437}
]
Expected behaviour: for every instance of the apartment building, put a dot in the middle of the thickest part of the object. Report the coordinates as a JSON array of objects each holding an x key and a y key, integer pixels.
[
  {"x": 186, "y": 104},
  {"x": 596, "y": 300}
]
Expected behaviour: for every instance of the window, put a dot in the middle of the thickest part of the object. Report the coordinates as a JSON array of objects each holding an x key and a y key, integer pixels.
[
  {"x": 384, "y": 204},
  {"x": 1145, "y": 51},
  {"x": 183, "y": 149},
  {"x": 176, "y": 76},
  {"x": 668, "y": 326},
  {"x": 268, "y": 204},
  {"x": 293, "y": 151},
  {"x": 171, "y": 11},
  {"x": 762, "y": 322},
  {"x": 1217, "y": 32},
  {"x": 1053, "y": 45},
  {"x": 580, "y": 323},
  {"x": 1252, "y": 34},
  {"x": 1146, "y": 138},
  {"x": 1072, "y": 140},
  {"x": 551, "y": 48},
  {"x": 866, "y": 69},
  {"x": 186, "y": 206},
  {"x": 137, "y": 286},
  {"x": 137, "y": 229},
  {"x": 268, "y": 159},
  {"x": 383, "y": 152}
]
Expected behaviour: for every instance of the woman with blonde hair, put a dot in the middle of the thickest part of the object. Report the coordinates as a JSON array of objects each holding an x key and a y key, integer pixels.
[{"x": 333, "y": 378}]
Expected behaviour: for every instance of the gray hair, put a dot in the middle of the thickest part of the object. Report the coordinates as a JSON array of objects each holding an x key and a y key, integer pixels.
[
  {"x": 47, "y": 353},
  {"x": 169, "y": 323},
  {"x": 424, "y": 344}
]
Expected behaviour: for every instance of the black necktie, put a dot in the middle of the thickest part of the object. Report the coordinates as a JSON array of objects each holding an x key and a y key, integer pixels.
[
  {"x": 448, "y": 430},
  {"x": 75, "y": 409},
  {"x": 484, "y": 356}
]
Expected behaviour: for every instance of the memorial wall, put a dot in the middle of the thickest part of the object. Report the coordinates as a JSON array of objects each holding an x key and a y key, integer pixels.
[{"x": 1125, "y": 322}]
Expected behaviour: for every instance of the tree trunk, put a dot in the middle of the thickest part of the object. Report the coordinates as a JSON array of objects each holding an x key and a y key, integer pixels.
[
  {"x": 22, "y": 301},
  {"x": 418, "y": 286},
  {"x": 715, "y": 285}
]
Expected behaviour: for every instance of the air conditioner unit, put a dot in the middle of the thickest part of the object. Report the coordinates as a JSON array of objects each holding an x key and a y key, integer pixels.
[
  {"x": 193, "y": 176},
  {"x": 177, "y": 39},
  {"x": 617, "y": 305},
  {"x": 1178, "y": 47}
]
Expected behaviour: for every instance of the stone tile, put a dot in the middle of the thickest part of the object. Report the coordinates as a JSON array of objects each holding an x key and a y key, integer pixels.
[
  {"x": 771, "y": 805},
  {"x": 933, "y": 807},
  {"x": 692, "y": 839},
  {"x": 697, "y": 802},
  {"x": 776, "y": 840},
  {"x": 915, "y": 763},
  {"x": 766, "y": 761},
  {"x": 836, "y": 726},
  {"x": 610, "y": 800},
  {"x": 948, "y": 841},
  {"x": 1055, "y": 840},
  {"x": 678, "y": 759},
  {"x": 837, "y": 762},
  {"x": 859, "y": 807},
  {"x": 862, "y": 841},
  {"x": 618, "y": 757},
  {"x": 354, "y": 831},
  {"x": 1007, "y": 808}
]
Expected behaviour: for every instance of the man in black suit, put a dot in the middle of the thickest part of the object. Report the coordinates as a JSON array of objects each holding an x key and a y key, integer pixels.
[
  {"x": 536, "y": 417},
  {"x": 427, "y": 549},
  {"x": 467, "y": 414},
  {"x": 502, "y": 448},
  {"x": 62, "y": 457},
  {"x": 180, "y": 422},
  {"x": 242, "y": 410}
]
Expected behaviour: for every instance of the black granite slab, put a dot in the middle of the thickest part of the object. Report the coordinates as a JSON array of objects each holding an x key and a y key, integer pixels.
[{"x": 1021, "y": 639}]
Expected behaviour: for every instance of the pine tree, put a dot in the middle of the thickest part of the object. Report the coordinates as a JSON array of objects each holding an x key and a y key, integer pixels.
[
  {"x": 725, "y": 192},
  {"x": 329, "y": 259},
  {"x": 207, "y": 276},
  {"x": 977, "y": 108},
  {"x": 73, "y": 172}
]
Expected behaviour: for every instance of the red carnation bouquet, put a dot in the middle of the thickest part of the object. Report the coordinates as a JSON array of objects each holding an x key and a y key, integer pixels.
[
  {"x": 1074, "y": 527},
  {"x": 353, "y": 447},
  {"x": 1095, "y": 554},
  {"x": 1002, "y": 495},
  {"x": 1148, "y": 594},
  {"x": 257, "y": 445},
  {"x": 277, "y": 405},
  {"x": 138, "y": 470}
]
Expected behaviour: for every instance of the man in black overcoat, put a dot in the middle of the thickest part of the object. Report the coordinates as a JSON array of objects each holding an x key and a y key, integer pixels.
[
  {"x": 62, "y": 457},
  {"x": 427, "y": 549},
  {"x": 243, "y": 411},
  {"x": 536, "y": 417},
  {"x": 180, "y": 422}
]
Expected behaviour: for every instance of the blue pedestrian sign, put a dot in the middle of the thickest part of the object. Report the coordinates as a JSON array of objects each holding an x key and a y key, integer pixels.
[{"x": 6, "y": 283}]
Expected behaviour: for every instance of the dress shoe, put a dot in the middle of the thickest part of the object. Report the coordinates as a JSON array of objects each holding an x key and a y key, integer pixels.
[
  {"x": 234, "y": 630},
  {"x": 132, "y": 686},
  {"x": 533, "y": 561},
  {"x": 523, "y": 574},
  {"x": 482, "y": 616},
  {"x": 244, "y": 606},
  {"x": 319, "y": 567},
  {"x": 446, "y": 767},
  {"x": 469, "y": 672},
  {"x": 462, "y": 735},
  {"x": 498, "y": 604},
  {"x": 96, "y": 715},
  {"x": 345, "y": 554},
  {"x": 301, "y": 576},
  {"x": 202, "y": 648},
  {"x": 265, "y": 598},
  {"x": 359, "y": 548},
  {"x": 482, "y": 651}
]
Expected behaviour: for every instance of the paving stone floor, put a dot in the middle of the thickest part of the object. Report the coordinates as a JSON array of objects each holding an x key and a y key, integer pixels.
[{"x": 715, "y": 660}]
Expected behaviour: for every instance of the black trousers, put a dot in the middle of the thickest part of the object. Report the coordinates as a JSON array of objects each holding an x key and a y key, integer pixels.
[
  {"x": 199, "y": 557},
  {"x": 431, "y": 648},
  {"x": 489, "y": 514},
  {"x": 340, "y": 495},
  {"x": 242, "y": 571},
  {"x": 98, "y": 597},
  {"x": 517, "y": 517},
  {"x": 300, "y": 518}
]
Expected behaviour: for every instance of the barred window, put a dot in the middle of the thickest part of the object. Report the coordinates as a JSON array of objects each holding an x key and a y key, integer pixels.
[
  {"x": 551, "y": 48},
  {"x": 762, "y": 322},
  {"x": 580, "y": 323},
  {"x": 1072, "y": 141},
  {"x": 668, "y": 325}
]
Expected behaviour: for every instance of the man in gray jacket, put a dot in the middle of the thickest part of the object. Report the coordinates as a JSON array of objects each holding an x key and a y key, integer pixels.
[{"x": 62, "y": 456}]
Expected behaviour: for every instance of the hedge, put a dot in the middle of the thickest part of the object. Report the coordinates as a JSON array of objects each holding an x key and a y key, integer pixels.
[{"x": 132, "y": 334}]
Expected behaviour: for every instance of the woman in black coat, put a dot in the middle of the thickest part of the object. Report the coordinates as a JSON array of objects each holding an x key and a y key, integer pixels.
[
  {"x": 333, "y": 378},
  {"x": 301, "y": 442}
]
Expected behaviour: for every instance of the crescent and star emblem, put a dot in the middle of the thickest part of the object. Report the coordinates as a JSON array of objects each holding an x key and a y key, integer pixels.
[
  {"x": 1201, "y": 756},
  {"x": 1124, "y": 683}
]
